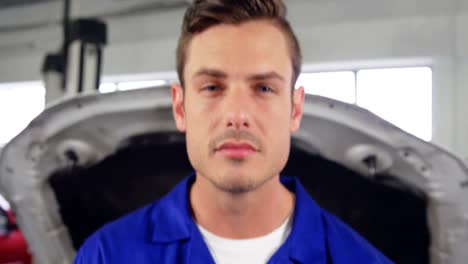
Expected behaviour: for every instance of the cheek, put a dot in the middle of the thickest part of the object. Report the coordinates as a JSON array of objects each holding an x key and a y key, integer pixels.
[
  {"x": 278, "y": 150},
  {"x": 196, "y": 143},
  {"x": 278, "y": 118},
  {"x": 198, "y": 126},
  {"x": 278, "y": 123},
  {"x": 280, "y": 137},
  {"x": 203, "y": 118}
]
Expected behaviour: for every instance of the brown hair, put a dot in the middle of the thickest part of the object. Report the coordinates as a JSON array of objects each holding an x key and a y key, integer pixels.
[{"x": 203, "y": 14}]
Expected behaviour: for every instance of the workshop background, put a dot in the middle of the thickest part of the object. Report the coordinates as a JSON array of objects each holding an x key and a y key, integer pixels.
[
  {"x": 335, "y": 36},
  {"x": 404, "y": 60}
]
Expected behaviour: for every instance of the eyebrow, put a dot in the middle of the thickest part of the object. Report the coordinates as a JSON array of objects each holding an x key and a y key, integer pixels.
[
  {"x": 254, "y": 77},
  {"x": 265, "y": 76},
  {"x": 210, "y": 72}
]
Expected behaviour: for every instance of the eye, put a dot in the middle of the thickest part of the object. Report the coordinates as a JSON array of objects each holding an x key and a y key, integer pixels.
[
  {"x": 264, "y": 88},
  {"x": 211, "y": 88}
]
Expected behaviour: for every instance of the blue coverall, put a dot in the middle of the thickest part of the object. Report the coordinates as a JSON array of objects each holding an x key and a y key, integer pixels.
[{"x": 165, "y": 232}]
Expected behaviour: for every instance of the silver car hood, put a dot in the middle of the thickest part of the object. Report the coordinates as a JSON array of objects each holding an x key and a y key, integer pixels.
[{"x": 82, "y": 132}]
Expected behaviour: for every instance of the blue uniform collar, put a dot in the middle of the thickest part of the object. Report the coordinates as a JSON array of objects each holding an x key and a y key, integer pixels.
[
  {"x": 306, "y": 243},
  {"x": 171, "y": 221},
  {"x": 171, "y": 218}
]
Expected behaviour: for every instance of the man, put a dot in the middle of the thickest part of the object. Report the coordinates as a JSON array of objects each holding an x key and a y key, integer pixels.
[{"x": 237, "y": 62}]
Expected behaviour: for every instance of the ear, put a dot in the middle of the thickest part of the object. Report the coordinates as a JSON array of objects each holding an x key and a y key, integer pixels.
[
  {"x": 297, "y": 108},
  {"x": 178, "y": 106}
]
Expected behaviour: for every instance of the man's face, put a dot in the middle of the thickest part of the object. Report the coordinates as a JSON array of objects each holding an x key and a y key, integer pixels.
[{"x": 237, "y": 109}]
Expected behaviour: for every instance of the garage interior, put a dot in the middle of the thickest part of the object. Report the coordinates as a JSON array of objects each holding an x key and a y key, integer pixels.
[{"x": 336, "y": 36}]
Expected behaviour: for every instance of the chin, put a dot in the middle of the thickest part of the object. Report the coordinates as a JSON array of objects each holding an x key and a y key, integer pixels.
[
  {"x": 238, "y": 182},
  {"x": 236, "y": 187}
]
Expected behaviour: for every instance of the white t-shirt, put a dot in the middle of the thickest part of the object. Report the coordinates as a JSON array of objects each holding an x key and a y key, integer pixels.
[{"x": 246, "y": 251}]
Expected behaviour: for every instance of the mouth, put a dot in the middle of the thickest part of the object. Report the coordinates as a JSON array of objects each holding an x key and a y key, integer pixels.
[{"x": 236, "y": 150}]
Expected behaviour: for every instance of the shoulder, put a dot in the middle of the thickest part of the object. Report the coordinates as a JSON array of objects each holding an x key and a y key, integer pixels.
[
  {"x": 346, "y": 246},
  {"x": 112, "y": 240},
  {"x": 132, "y": 238}
]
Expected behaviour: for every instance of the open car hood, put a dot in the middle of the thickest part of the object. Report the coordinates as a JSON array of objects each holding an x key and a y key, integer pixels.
[{"x": 91, "y": 159}]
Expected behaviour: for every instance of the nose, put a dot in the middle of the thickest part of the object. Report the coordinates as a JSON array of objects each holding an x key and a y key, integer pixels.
[
  {"x": 237, "y": 110},
  {"x": 237, "y": 120}
]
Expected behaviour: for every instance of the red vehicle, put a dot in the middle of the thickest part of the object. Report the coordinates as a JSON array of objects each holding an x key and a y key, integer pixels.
[{"x": 13, "y": 246}]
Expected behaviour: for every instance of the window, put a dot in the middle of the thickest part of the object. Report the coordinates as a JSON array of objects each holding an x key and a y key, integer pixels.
[
  {"x": 124, "y": 86},
  {"x": 402, "y": 96},
  {"x": 336, "y": 85},
  {"x": 19, "y": 104}
]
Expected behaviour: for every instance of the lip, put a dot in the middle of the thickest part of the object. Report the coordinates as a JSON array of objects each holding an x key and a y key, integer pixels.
[{"x": 236, "y": 150}]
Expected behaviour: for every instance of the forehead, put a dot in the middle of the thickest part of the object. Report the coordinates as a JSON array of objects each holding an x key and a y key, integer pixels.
[{"x": 251, "y": 47}]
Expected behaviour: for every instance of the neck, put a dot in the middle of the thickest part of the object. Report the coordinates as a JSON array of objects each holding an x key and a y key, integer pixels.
[{"x": 240, "y": 216}]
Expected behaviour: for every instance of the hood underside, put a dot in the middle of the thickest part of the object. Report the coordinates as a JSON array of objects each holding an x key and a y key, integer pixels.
[
  {"x": 390, "y": 216},
  {"x": 89, "y": 160}
]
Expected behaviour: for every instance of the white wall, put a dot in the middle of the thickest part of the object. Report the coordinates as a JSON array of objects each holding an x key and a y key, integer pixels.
[{"x": 334, "y": 34}]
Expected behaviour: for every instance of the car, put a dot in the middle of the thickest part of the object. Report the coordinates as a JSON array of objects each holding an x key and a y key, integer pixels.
[
  {"x": 13, "y": 246},
  {"x": 91, "y": 159}
]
